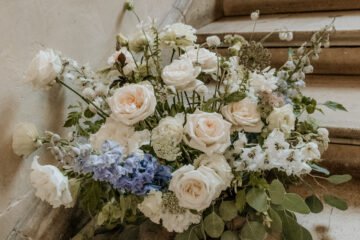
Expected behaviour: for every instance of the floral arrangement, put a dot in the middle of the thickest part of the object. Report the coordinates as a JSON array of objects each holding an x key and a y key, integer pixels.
[{"x": 203, "y": 143}]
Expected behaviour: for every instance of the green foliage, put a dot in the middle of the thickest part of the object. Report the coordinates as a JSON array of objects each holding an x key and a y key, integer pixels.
[
  {"x": 314, "y": 204},
  {"x": 277, "y": 192},
  {"x": 92, "y": 196},
  {"x": 295, "y": 203},
  {"x": 257, "y": 199},
  {"x": 276, "y": 223},
  {"x": 240, "y": 200},
  {"x": 234, "y": 97},
  {"x": 189, "y": 234},
  {"x": 336, "y": 202},
  {"x": 319, "y": 169},
  {"x": 292, "y": 230},
  {"x": 339, "y": 179},
  {"x": 214, "y": 225},
  {"x": 229, "y": 235},
  {"x": 228, "y": 210},
  {"x": 334, "y": 106},
  {"x": 253, "y": 231}
]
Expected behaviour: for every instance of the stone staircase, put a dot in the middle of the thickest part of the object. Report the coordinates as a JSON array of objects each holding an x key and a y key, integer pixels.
[{"x": 336, "y": 77}]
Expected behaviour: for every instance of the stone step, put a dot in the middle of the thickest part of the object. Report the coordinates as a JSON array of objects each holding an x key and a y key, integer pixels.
[
  {"x": 243, "y": 7},
  {"x": 303, "y": 25}
]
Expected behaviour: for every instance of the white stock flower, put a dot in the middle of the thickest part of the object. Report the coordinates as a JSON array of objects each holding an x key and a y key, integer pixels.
[
  {"x": 217, "y": 163},
  {"x": 24, "y": 139},
  {"x": 207, "y": 59},
  {"x": 166, "y": 137},
  {"x": 151, "y": 206},
  {"x": 178, "y": 34},
  {"x": 50, "y": 184},
  {"x": 263, "y": 82},
  {"x": 124, "y": 135},
  {"x": 282, "y": 118},
  {"x": 213, "y": 41},
  {"x": 43, "y": 69},
  {"x": 207, "y": 132},
  {"x": 127, "y": 60},
  {"x": 196, "y": 188},
  {"x": 324, "y": 140},
  {"x": 181, "y": 74},
  {"x": 243, "y": 115},
  {"x": 132, "y": 103}
]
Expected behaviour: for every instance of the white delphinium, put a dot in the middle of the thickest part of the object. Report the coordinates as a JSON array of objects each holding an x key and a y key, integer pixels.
[
  {"x": 253, "y": 158},
  {"x": 50, "y": 184},
  {"x": 255, "y": 15},
  {"x": 213, "y": 41},
  {"x": 295, "y": 163},
  {"x": 24, "y": 139},
  {"x": 166, "y": 137},
  {"x": 203, "y": 57},
  {"x": 264, "y": 81},
  {"x": 310, "y": 151},
  {"x": 43, "y": 69},
  {"x": 276, "y": 141},
  {"x": 128, "y": 60},
  {"x": 282, "y": 118},
  {"x": 178, "y": 34},
  {"x": 235, "y": 75}
]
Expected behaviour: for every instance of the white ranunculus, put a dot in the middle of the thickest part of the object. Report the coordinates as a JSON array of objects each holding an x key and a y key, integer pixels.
[
  {"x": 129, "y": 64},
  {"x": 243, "y": 114},
  {"x": 126, "y": 136},
  {"x": 196, "y": 188},
  {"x": 43, "y": 69},
  {"x": 178, "y": 34},
  {"x": 50, "y": 184},
  {"x": 132, "y": 103},
  {"x": 24, "y": 139},
  {"x": 181, "y": 74},
  {"x": 263, "y": 82},
  {"x": 217, "y": 163},
  {"x": 213, "y": 41},
  {"x": 205, "y": 58},
  {"x": 166, "y": 137},
  {"x": 207, "y": 132},
  {"x": 282, "y": 118},
  {"x": 151, "y": 206}
]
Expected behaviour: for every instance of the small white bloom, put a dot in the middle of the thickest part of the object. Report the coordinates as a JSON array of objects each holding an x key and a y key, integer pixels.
[
  {"x": 255, "y": 15},
  {"x": 50, "y": 184},
  {"x": 127, "y": 60},
  {"x": 310, "y": 152},
  {"x": 263, "y": 82},
  {"x": 276, "y": 141},
  {"x": 240, "y": 143},
  {"x": 207, "y": 132},
  {"x": 179, "y": 222},
  {"x": 196, "y": 188},
  {"x": 151, "y": 206},
  {"x": 24, "y": 139},
  {"x": 89, "y": 93},
  {"x": 43, "y": 69},
  {"x": 213, "y": 41},
  {"x": 254, "y": 158},
  {"x": 97, "y": 102},
  {"x": 139, "y": 41},
  {"x": 132, "y": 103},
  {"x": 324, "y": 140},
  {"x": 178, "y": 34},
  {"x": 205, "y": 58},
  {"x": 282, "y": 118},
  {"x": 101, "y": 89},
  {"x": 286, "y": 36}
]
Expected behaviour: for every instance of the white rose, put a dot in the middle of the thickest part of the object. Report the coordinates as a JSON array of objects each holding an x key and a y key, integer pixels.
[
  {"x": 50, "y": 184},
  {"x": 213, "y": 41},
  {"x": 243, "y": 115},
  {"x": 217, "y": 163},
  {"x": 166, "y": 137},
  {"x": 207, "y": 59},
  {"x": 196, "y": 189},
  {"x": 43, "y": 69},
  {"x": 207, "y": 132},
  {"x": 151, "y": 206},
  {"x": 129, "y": 62},
  {"x": 178, "y": 34},
  {"x": 124, "y": 135},
  {"x": 132, "y": 103},
  {"x": 282, "y": 118},
  {"x": 24, "y": 139},
  {"x": 181, "y": 74}
]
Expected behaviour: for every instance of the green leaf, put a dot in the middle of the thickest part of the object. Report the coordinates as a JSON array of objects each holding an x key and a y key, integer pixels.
[
  {"x": 257, "y": 199},
  {"x": 336, "y": 202},
  {"x": 277, "y": 192},
  {"x": 214, "y": 225},
  {"x": 306, "y": 235},
  {"x": 319, "y": 169},
  {"x": 295, "y": 203},
  {"x": 88, "y": 113},
  {"x": 229, "y": 235},
  {"x": 339, "y": 179},
  {"x": 314, "y": 204},
  {"x": 291, "y": 229},
  {"x": 240, "y": 200},
  {"x": 189, "y": 234},
  {"x": 228, "y": 210},
  {"x": 235, "y": 97},
  {"x": 334, "y": 106},
  {"x": 253, "y": 231},
  {"x": 276, "y": 223}
]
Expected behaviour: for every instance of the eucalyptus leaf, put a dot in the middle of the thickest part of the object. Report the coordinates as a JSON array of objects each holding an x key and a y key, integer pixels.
[
  {"x": 189, "y": 234},
  {"x": 253, "y": 231},
  {"x": 214, "y": 225},
  {"x": 314, "y": 204},
  {"x": 257, "y": 199},
  {"x": 295, "y": 203},
  {"x": 336, "y": 202},
  {"x": 319, "y": 169},
  {"x": 291, "y": 229},
  {"x": 334, "y": 106},
  {"x": 276, "y": 223},
  {"x": 228, "y": 210},
  {"x": 339, "y": 179},
  {"x": 306, "y": 235},
  {"x": 240, "y": 200},
  {"x": 235, "y": 97},
  {"x": 277, "y": 192},
  {"x": 229, "y": 235}
]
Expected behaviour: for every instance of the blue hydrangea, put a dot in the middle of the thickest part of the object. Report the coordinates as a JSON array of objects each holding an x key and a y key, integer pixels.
[{"x": 136, "y": 173}]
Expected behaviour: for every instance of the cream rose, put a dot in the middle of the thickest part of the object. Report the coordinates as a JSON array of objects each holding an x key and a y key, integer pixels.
[
  {"x": 129, "y": 63},
  {"x": 181, "y": 74},
  {"x": 243, "y": 115},
  {"x": 207, "y": 132},
  {"x": 207, "y": 59},
  {"x": 132, "y": 103},
  {"x": 50, "y": 184},
  {"x": 196, "y": 189},
  {"x": 282, "y": 118},
  {"x": 43, "y": 69}
]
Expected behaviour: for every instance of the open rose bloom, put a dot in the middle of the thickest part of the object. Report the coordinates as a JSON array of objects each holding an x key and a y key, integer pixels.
[{"x": 195, "y": 141}]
